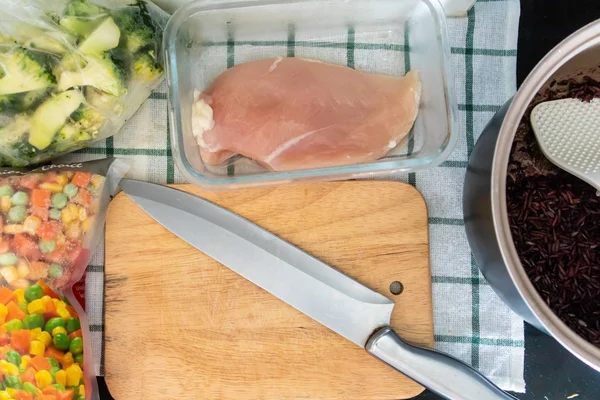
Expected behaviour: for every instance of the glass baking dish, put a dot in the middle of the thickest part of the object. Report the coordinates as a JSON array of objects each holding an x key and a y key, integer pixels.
[{"x": 205, "y": 37}]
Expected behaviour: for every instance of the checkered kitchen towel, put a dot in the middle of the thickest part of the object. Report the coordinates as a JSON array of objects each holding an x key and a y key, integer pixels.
[{"x": 470, "y": 320}]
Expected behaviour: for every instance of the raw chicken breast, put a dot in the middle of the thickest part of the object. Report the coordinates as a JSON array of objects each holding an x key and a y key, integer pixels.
[{"x": 292, "y": 113}]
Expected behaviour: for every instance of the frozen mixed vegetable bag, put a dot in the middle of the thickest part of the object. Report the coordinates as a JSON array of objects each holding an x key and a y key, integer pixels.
[
  {"x": 50, "y": 220},
  {"x": 72, "y": 72}
]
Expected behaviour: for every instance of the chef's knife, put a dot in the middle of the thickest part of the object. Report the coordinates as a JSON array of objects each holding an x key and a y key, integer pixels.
[{"x": 309, "y": 285}]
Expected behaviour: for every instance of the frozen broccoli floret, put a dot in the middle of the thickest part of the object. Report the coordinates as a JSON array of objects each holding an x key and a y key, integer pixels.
[
  {"x": 9, "y": 103},
  {"x": 70, "y": 136},
  {"x": 19, "y": 102},
  {"x": 15, "y": 131},
  {"x": 138, "y": 30},
  {"x": 39, "y": 39},
  {"x": 88, "y": 119},
  {"x": 103, "y": 38},
  {"x": 24, "y": 71},
  {"x": 84, "y": 8},
  {"x": 101, "y": 71},
  {"x": 146, "y": 68},
  {"x": 51, "y": 115},
  {"x": 79, "y": 27}
]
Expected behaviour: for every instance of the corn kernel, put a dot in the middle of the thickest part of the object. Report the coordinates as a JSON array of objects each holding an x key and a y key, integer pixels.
[
  {"x": 37, "y": 348},
  {"x": 74, "y": 230},
  {"x": 8, "y": 368},
  {"x": 62, "y": 180},
  {"x": 25, "y": 361},
  {"x": 60, "y": 304},
  {"x": 11, "y": 392},
  {"x": 97, "y": 180},
  {"x": 20, "y": 293},
  {"x": 81, "y": 390},
  {"x": 20, "y": 284},
  {"x": 31, "y": 224},
  {"x": 66, "y": 216},
  {"x": 73, "y": 375},
  {"x": 36, "y": 307},
  {"x": 45, "y": 338},
  {"x": 60, "y": 239},
  {"x": 35, "y": 333},
  {"x": 3, "y": 313},
  {"x": 61, "y": 377},
  {"x": 82, "y": 213},
  {"x": 9, "y": 273},
  {"x": 67, "y": 361},
  {"x": 53, "y": 187},
  {"x": 43, "y": 379},
  {"x": 46, "y": 298},
  {"x": 4, "y": 395},
  {"x": 87, "y": 224},
  {"x": 63, "y": 313},
  {"x": 22, "y": 271},
  {"x": 13, "y": 229},
  {"x": 5, "y": 203},
  {"x": 57, "y": 330}
]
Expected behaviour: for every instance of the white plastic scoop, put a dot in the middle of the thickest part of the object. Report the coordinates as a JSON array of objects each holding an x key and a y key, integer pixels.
[{"x": 568, "y": 132}]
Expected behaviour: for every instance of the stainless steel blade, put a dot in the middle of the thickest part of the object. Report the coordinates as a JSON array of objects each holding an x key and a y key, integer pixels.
[{"x": 307, "y": 284}]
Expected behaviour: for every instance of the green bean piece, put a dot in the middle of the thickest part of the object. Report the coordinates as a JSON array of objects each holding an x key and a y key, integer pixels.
[
  {"x": 13, "y": 357},
  {"x": 13, "y": 325}
]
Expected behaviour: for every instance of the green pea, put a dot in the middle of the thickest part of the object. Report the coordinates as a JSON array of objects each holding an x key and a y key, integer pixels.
[
  {"x": 54, "y": 213},
  {"x": 59, "y": 387},
  {"x": 59, "y": 200},
  {"x": 55, "y": 271},
  {"x": 23, "y": 306},
  {"x": 70, "y": 190},
  {"x": 33, "y": 321},
  {"x": 30, "y": 387},
  {"x": 8, "y": 259},
  {"x": 13, "y": 382},
  {"x": 34, "y": 292},
  {"x": 47, "y": 246},
  {"x": 53, "y": 362},
  {"x": 76, "y": 346},
  {"x": 13, "y": 357},
  {"x": 53, "y": 323},
  {"x": 13, "y": 325},
  {"x": 6, "y": 190},
  {"x": 78, "y": 358},
  {"x": 17, "y": 214},
  {"x": 20, "y": 199},
  {"x": 61, "y": 341},
  {"x": 73, "y": 325},
  {"x": 53, "y": 371}
]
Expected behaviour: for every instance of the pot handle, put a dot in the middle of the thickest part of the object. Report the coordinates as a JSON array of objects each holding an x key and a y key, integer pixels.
[{"x": 439, "y": 372}]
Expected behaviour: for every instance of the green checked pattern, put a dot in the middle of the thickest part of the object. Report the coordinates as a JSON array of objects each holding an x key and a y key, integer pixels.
[{"x": 470, "y": 320}]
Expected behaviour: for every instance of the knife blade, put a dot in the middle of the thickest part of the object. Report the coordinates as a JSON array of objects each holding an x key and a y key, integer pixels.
[{"x": 312, "y": 287}]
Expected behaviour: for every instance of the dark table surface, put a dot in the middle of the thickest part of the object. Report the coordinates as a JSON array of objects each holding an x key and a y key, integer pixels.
[{"x": 550, "y": 371}]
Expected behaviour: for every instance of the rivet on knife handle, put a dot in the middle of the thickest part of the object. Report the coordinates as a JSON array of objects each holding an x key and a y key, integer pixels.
[{"x": 440, "y": 373}]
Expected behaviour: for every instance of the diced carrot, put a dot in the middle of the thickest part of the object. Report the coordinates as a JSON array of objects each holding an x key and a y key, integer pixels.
[
  {"x": 20, "y": 339},
  {"x": 41, "y": 363},
  {"x": 28, "y": 375},
  {"x": 84, "y": 198},
  {"x": 72, "y": 311},
  {"x": 40, "y": 198},
  {"x": 4, "y": 340},
  {"x": 23, "y": 395},
  {"x": 81, "y": 179},
  {"x": 50, "y": 390},
  {"x": 4, "y": 245},
  {"x": 49, "y": 230},
  {"x": 46, "y": 396},
  {"x": 26, "y": 247},
  {"x": 65, "y": 395},
  {"x": 6, "y": 295},
  {"x": 53, "y": 353},
  {"x": 28, "y": 182},
  {"x": 50, "y": 177},
  {"x": 47, "y": 290},
  {"x": 40, "y": 212},
  {"x": 14, "y": 311},
  {"x": 57, "y": 256},
  {"x": 75, "y": 334},
  {"x": 50, "y": 311},
  {"x": 38, "y": 270}
]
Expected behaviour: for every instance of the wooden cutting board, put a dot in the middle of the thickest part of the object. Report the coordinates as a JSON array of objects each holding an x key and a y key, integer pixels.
[{"x": 179, "y": 325}]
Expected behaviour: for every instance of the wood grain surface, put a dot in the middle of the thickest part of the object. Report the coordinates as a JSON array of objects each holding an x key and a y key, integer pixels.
[{"x": 179, "y": 325}]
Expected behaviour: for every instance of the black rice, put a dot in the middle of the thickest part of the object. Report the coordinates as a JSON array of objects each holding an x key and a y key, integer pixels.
[{"x": 555, "y": 221}]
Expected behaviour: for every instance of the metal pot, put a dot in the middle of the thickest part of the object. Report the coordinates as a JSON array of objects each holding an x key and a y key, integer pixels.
[{"x": 485, "y": 213}]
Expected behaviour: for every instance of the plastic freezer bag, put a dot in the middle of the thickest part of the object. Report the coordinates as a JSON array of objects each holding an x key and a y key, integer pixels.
[
  {"x": 50, "y": 220},
  {"x": 72, "y": 72}
]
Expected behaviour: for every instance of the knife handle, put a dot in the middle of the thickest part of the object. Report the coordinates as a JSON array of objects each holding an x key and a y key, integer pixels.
[{"x": 439, "y": 372}]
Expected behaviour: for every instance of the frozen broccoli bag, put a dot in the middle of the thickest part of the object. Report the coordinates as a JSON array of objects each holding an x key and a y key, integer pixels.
[
  {"x": 50, "y": 221},
  {"x": 72, "y": 72}
]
